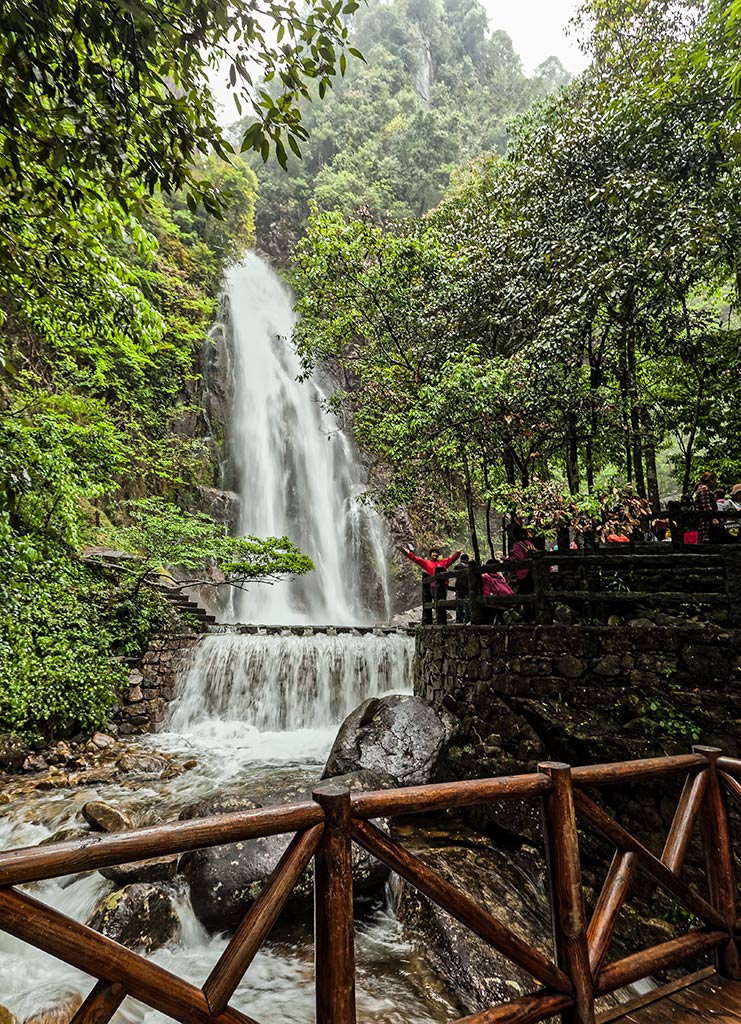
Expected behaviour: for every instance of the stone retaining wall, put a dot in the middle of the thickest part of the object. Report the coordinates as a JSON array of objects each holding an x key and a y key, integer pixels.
[
  {"x": 152, "y": 685},
  {"x": 584, "y": 695}
]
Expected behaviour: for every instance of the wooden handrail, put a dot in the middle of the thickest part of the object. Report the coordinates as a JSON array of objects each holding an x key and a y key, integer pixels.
[
  {"x": 389, "y": 803},
  {"x": 551, "y": 583},
  {"x": 325, "y": 828},
  {"x": 31, "y": 864},
  {"x": 254, "y": 928},
  {"x": 614, "y": 772},
  {"x": 89, "y": 951},
  {"x": 460, "y": 906},
  {"x": 658, "y": 958}
]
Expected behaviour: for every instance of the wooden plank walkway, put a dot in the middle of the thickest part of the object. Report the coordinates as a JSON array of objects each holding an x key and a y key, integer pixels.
[{"x": 701, "y": 998}]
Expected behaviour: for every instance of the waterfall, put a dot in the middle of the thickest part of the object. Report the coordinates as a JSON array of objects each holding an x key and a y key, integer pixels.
[
  {"x": 285, "y": 684},
  {"x": 296, "y": 472}
]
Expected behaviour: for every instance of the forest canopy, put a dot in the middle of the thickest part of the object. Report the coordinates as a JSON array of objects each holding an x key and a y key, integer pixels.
[{"x": 568, "y": 312}]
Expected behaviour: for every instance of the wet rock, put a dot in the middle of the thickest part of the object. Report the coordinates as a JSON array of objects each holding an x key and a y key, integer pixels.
[
  {"x": 35, "y": 763},
  {"x": 508, "y": 882},
  {"x": 399, "y": 736},
  {"x": 155, "y": 869},
  {"x": 136, "y": 762},
  {"x": 103, "y": 818},
  {"x": 6, "y": 1017},
  {"x": 13, "y": 752},
  {"x": 139, "y": 916},
  {"x": 103, "y": 741},
  {"x": 60, "y": 753},
  {"x": 225, "y": 880},
  {"x": 64, "y": 835},
  {"x": 60, "y": 1012}
]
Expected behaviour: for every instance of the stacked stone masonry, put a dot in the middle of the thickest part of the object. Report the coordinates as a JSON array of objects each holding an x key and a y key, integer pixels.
[
  {"x": 152, "y": 685},
  {"x": 584, "y": 694}
]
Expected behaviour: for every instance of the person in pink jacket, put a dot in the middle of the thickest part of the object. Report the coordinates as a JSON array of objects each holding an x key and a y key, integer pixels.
[{"x": 430, "y": 582}]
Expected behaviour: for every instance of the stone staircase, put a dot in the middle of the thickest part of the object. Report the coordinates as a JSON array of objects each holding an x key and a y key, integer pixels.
[
  {"x": 194, "y": 614},
  {"x": 186, "y": 606}
]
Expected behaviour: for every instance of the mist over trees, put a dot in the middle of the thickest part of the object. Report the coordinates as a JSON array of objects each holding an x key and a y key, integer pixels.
[{"x": 434, "y": 89}]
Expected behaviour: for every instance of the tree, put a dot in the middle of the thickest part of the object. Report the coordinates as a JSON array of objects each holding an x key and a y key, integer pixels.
[
  {"x": 162, "y": 534},
  {"x": 571, "y": 301},
  {"x": 434, "y": 90}
]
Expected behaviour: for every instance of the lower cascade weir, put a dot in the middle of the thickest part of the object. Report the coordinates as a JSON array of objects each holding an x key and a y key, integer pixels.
[{"x": 288, "y": 683}]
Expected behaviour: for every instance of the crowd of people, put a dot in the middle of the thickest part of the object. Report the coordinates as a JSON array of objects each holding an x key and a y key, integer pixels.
[{"x": 706, "y": 517}]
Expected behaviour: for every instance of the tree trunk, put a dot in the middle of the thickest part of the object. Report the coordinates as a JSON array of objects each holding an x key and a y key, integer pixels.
[
  {"x": 508, "y": 458},
  {"x": 470, "y": 508},
  {"x": 572, "y": 456},
  {"x": 649, "y": 454},
  {"x": 635, "y": 421}
]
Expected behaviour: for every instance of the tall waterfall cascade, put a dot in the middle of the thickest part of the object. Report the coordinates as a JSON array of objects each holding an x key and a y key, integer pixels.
[{"x": 296, "y": 471}]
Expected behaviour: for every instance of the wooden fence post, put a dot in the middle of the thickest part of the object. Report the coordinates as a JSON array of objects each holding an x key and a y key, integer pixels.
[
  {"x": 716, "y": 838},
  {"x": 334, "y": 950},
  {"x": 540, "y": 573},
  {"x": 567, "y": 900},
  {"x": 475, "y": 593}
]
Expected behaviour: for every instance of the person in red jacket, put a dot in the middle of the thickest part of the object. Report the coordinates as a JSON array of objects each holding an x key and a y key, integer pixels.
[{"x": 430, "y": 566}]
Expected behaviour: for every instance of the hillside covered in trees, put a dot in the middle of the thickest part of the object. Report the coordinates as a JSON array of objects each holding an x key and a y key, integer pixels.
[
  {"x": 435, "y": 88},
  {"x": 566, "y": 321}
]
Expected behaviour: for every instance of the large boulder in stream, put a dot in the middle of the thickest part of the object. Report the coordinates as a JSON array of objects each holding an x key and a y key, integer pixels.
[
  {"x": 399, "y": 735},
  {"x": 225, "y": 880},
  {"x": 508, "y": 882},
  {"x": 142, "y": 916}
]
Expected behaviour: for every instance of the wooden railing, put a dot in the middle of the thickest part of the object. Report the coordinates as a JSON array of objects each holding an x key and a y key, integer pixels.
[
  {"x": 704, "y": 579},
  {"x": 566, "y": 983}
]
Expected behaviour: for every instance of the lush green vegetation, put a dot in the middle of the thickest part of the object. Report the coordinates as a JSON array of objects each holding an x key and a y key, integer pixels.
[
  {"x": 435, "y": 89},
  {"x": 119, "y": 211},
  {"x": 568, "y": 315}
]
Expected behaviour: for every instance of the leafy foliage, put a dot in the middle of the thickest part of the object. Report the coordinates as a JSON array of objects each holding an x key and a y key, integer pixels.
[
  {"x": 61, "y": 628},
  {"x": 566, "y": 313},
  {"x": 163, "y": 534}
]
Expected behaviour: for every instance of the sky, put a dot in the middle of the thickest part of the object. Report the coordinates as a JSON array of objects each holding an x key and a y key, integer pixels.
[{"x": 538, "y": 28}]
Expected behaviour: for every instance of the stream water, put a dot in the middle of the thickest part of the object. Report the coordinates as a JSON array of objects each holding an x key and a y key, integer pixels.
[{"x": 257, "y": 711}]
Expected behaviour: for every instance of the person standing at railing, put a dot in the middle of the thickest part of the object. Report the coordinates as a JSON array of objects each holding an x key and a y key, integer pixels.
[
  {"x": 522, "y": 551},
  {"x": 710, "y": 530},
  {"x": 493, "y": 584},
  {"x": 431, "y": 585}
]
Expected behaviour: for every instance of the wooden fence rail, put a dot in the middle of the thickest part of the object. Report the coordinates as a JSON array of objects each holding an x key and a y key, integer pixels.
[
  {"x": 596, "y": 584},
  {"x": 566, "y": 983}
]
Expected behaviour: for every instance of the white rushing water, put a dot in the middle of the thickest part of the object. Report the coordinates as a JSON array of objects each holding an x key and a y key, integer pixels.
[
  {"x": 284, "y": 685},
  {"x": 296, "y": 472}
]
